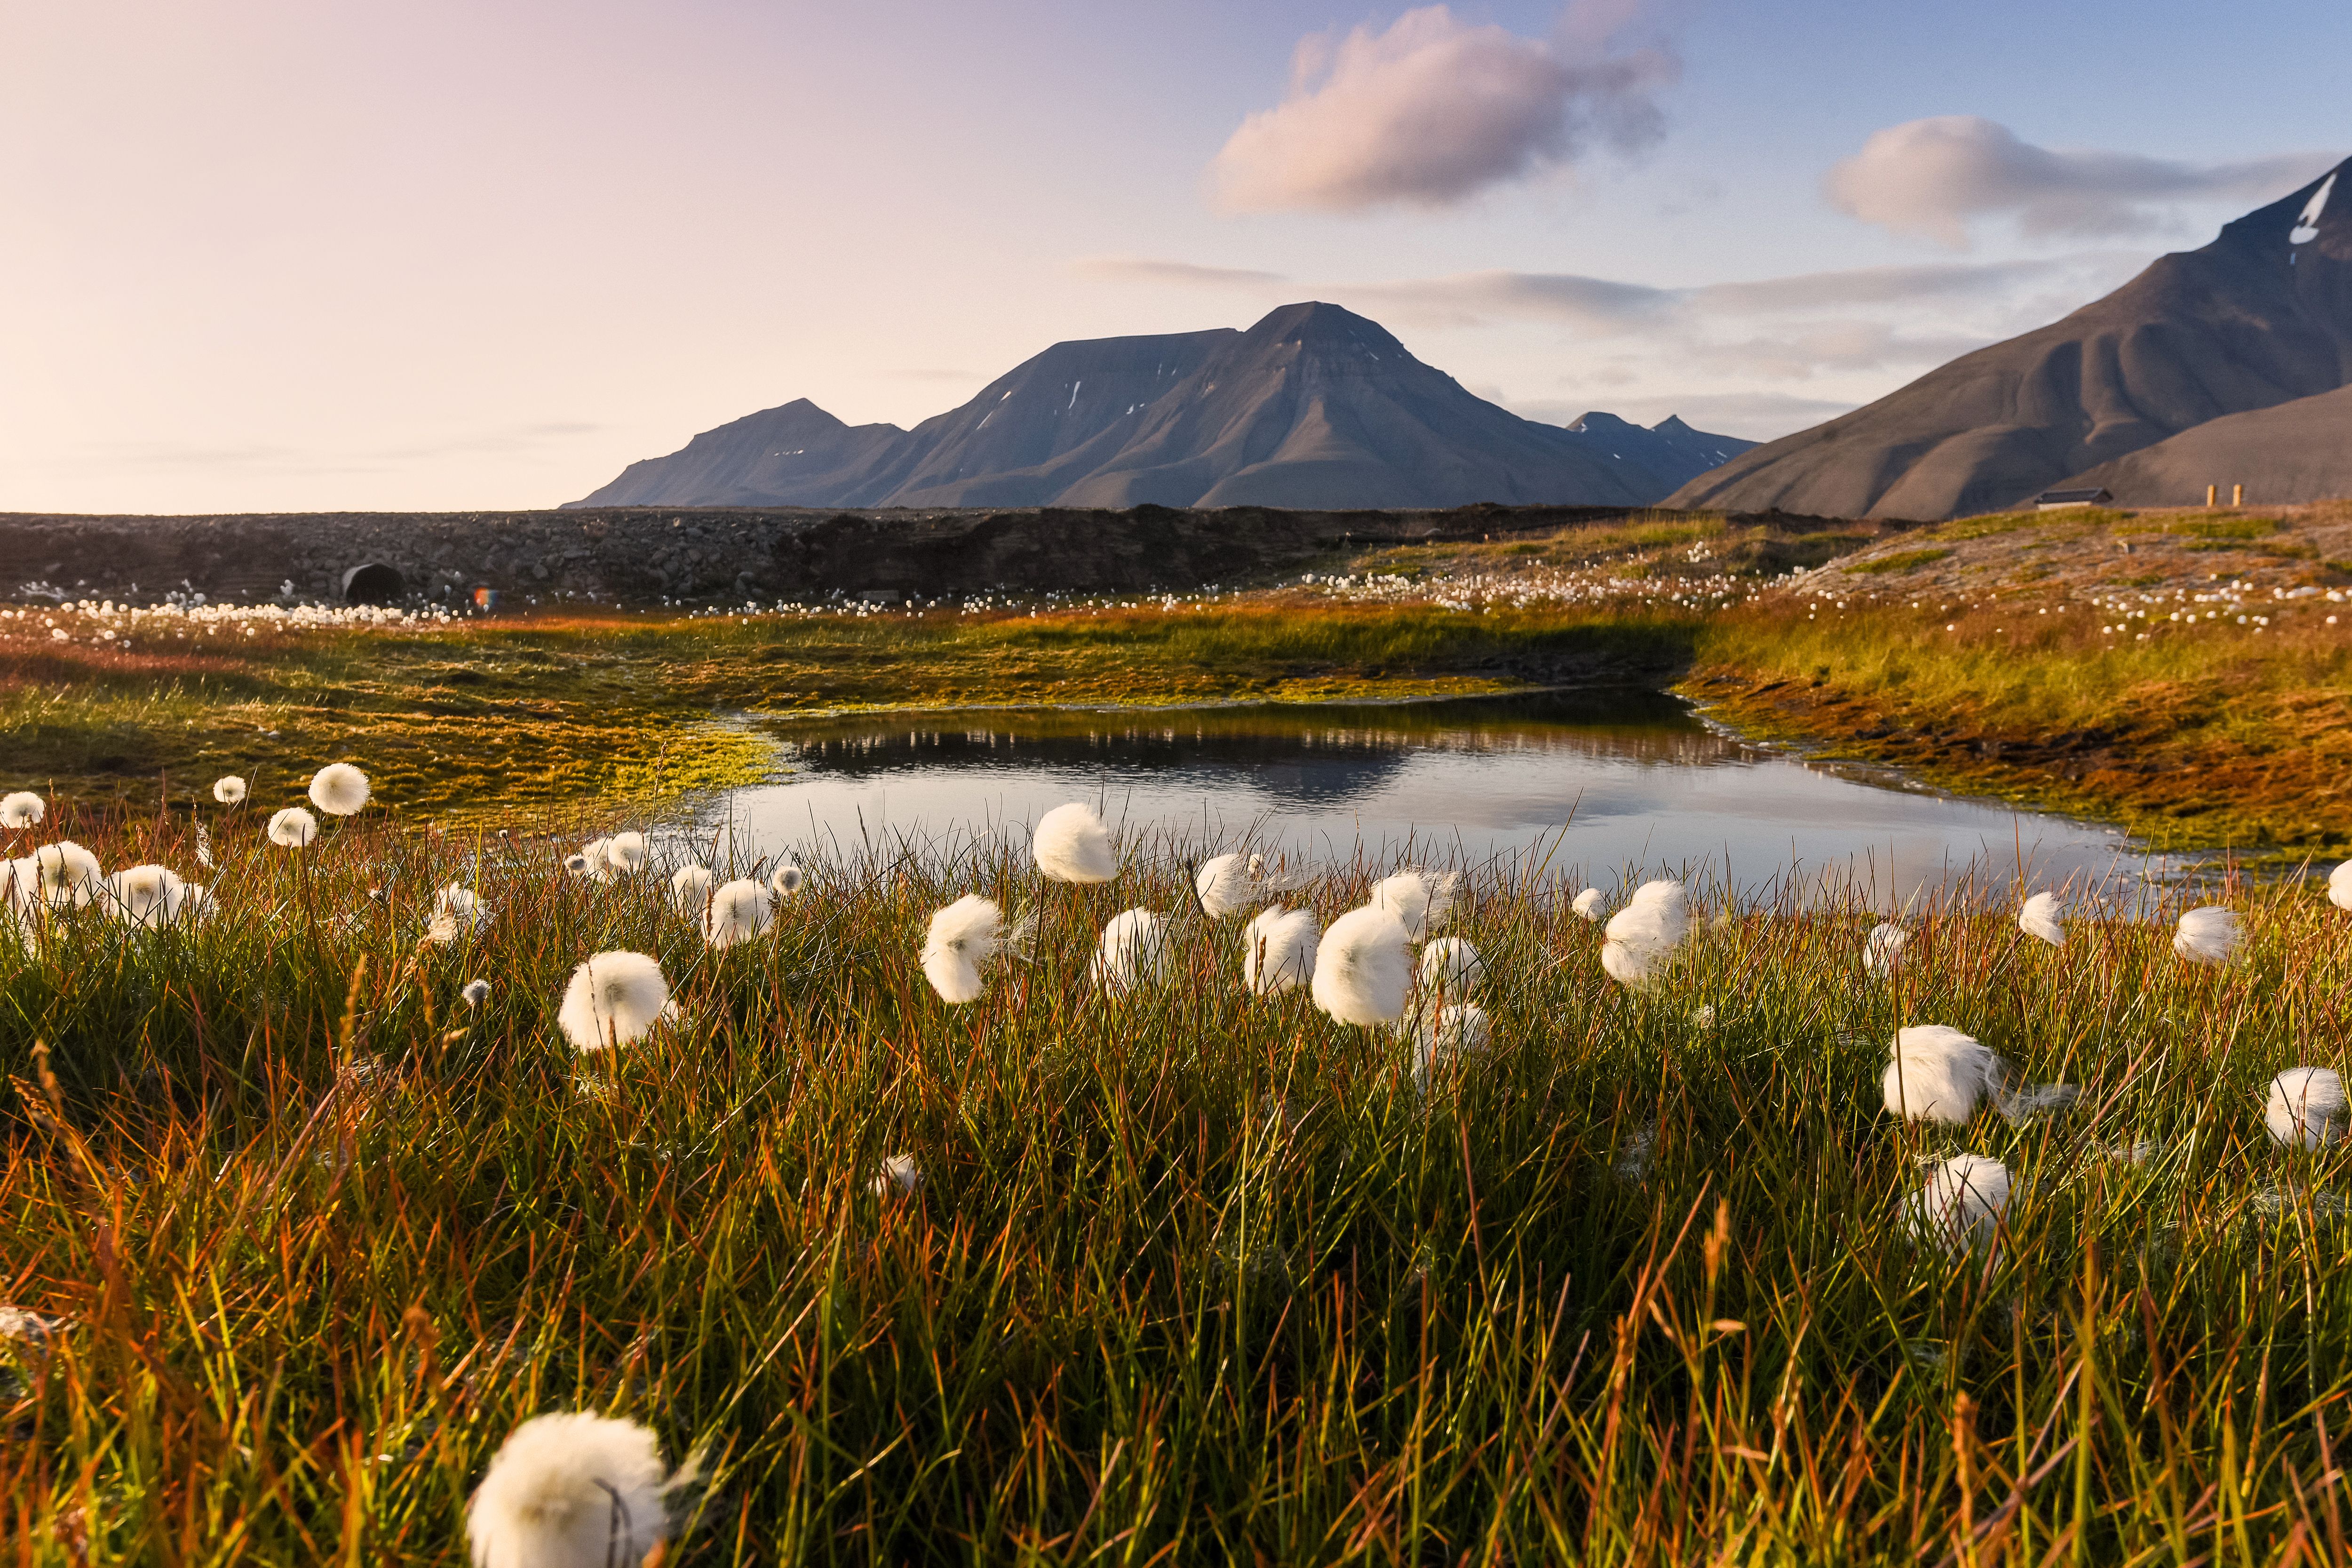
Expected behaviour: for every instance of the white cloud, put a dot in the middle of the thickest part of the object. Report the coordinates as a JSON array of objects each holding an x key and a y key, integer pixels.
[
  {"x": 1435, "y": 110},
  {"x": 1147, "y": 269},
  {"x": 1931, "y": 177}
]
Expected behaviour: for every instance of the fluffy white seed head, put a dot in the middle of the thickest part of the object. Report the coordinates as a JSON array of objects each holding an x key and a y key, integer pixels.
[
  {"x": 1419, "y": 899},
  {"x": 1278, "y": 950},
  {"x": 1881, "y": 949},
  {"x": 1961, "y": 1204},
  {"x": 147, "y": 897},
  {"x": 1362, "y": 966},
  {"x": 1451, "y": 964},
  {"x": 1133, "y": 951},
  {"x": 2208, "y": 934},
  {"x": 1072, "y": 845},
  {"x": 624, "y": 853},
  {"x": 1226, "y": 885},
  {"x": 228, "y": 789},
  {"x": 615, "y": 998},
  {"x": 573, "y": 1490},
  {"x": 594, "y": 860},
  {"x": 457, "y": 910},
  {"x": 2044, "y": 917},
  {"x": 2306, "y": 1108},
  {"x": 1938, "y": 1074},
  {"x": 689, "y": 890},
  {"x": 2339, "y": 885},
  {"x": 58, "y": 876},
  {"x": 22, "y": 809},
  {"x": 339, "y": 789},
  {"x": 475, "y": 993},
  {"x": 1642, "y": 937},
  {"x": 1590, "y": 903},
  {"x": 739, "y": 911},
  {"x": 787, "y": 880},
  {"x": 899, "y": 1173},
  {"x": 962, "y": 939},
  {"x": 578, "y": 863},
  {"x": 1447, "y": 1032},
  {"x": 293, "y": 828}
]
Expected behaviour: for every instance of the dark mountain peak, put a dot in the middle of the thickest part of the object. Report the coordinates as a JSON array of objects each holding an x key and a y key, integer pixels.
[
  {"x": 2319, "y": 212},
  {"x": 1313, "y": 323},
  {"x": 1672, "y": 425},
  {"x": 1597, "y": 422}
]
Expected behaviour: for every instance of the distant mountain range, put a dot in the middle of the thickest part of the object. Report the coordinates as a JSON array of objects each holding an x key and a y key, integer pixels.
[
  {"x": 2218, "y": 366},
  {"x": 1314, "y": 407}
]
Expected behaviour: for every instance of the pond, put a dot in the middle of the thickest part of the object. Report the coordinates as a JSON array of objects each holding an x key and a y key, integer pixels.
[{"x": 1596, "y": 786}]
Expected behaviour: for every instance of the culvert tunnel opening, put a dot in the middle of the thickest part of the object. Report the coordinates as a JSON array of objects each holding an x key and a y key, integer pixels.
[{"x": 373, "y": 583}]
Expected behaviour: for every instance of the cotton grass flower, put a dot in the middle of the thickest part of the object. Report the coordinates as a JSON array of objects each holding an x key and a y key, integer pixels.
[
  {"x": 787, "y": 880},
  {"x": 228, "y": 789},
  {"x": 293, "y": 828},
  {"x": 962, "y": 939},
  {"x": 689, "y": 890},
  {"x": 2044, "y": 917},
  {"x": 1962, "y": 1203},
  {"x": 1938, "y": 1074},
  {"x": 339, "y": 789},
  {"x": 1451, "y": 965},
  {"x": 457, "y": 910},
  {"x": 1642, "y": 937},
  {"x": 573, "y": 1490},
  {"x": 625, "y": 853},
  {"x": 580, "y": 864},
  {"x": 1447, "y": 1034},
  {"x": 474, "y": 992},
  {"x": 146, "y": 896},
  {"x": 1881, "y": 949},
  {"x": 22, "y": 809},
  {"x": 739, "y": 911},
  {"x": 2208, "y": 934},
  {"x": 2339, "y": 885},
  {"x": 900, "y": 1175},
  {"x": 614, "y": 999},
  {"x": 1225, "y": 886},
  {"x": 1589, "y": 903},
  {"x": 1278, "y": 950},
  {"x": 2305, "y": 1109},
  {"x": 1362, "y": 965},
  {"x": 1133, "y": 951},
  {"x": 57, "y": 876},
  {"x": 1419, "y": 899},
  {"x": 1072, "y": 845}
]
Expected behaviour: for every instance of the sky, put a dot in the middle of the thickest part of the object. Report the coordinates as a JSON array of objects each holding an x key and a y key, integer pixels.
[{"x": 459, "y": 255}]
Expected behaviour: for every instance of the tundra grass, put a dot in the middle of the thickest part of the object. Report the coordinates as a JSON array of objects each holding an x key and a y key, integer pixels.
[{"x": 1190, "y": 1276}]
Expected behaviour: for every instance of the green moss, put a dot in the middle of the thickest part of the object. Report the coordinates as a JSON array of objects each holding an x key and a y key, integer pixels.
[{"x": 1901, "y": 561}]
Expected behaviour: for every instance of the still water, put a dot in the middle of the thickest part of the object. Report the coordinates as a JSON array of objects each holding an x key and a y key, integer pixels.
[{"x": 1596, "y": 786}]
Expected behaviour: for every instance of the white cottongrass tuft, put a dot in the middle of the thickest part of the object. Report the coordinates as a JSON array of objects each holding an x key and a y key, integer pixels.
[
  {"x": 1072, "y": 845},
  {"x": 148, "y": 896},
  {"x": 613, "y": 998},
  {"x": 1590, "y": 903},
  {"x": 474, "y": 992},
  {"x": 787, "y": 880},
  {"x": 1446, "y": 1033},
  {"x": 2339, "y": 885},
  {"x": 1881, "y": 949},
  {"x": 1362, "y": 965},
  {"x": 963, "y": 938},
  {"x": 899, "y": 1173},
  {"x": 573, "y": 1490},
  {"x": 1133, "y": 951},
  {"x": 1962, "y": 1203},
  {"x": 1451, "y": 964},
  {"x": 293, "y": 828},
  {"x": 579, "y": 863},
  {"x": 2044, "y": 916},
  {"x": 2208, "y": 934},
  {"x": 339, "y": 789},
  {"x": 1644, "y": 935},
  {"x": 1418, "y": 899},
  {"x": 625, "y": 853},
  {"x": 1938, "y": 1074},
  {"x": 228, "y": 789},
  {"x": 57, "y": 876},
  {"x": 689, "y": 890},
  {"x": 22, "y": 809},
  {"x": 2306, "y": 1108},
  {"x": 739, "y": 911},
  {"x": 1278, "y": 950},
  {"x": 457, "y": 910},
  {"x": 1225, "y": 886}
]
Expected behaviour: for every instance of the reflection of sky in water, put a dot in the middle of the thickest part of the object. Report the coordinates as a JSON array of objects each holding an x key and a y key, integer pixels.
[{"x": 1597, "y": 787}]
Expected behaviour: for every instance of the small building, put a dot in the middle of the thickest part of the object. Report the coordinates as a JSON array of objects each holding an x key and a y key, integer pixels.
[{"x": 2051, "y": 500}]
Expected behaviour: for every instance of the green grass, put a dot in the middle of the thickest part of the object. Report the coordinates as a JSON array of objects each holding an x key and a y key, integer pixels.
[
  {"x": 1901, "y": 561},
  {"x": 1190, "y": 1277}
]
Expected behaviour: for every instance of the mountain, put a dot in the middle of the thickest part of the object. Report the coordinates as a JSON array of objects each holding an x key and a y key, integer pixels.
[
  {"x": 1314, "y": 407},
  {"x": 2260, "y": 318},
  {"x": 2289, "y": 452}
]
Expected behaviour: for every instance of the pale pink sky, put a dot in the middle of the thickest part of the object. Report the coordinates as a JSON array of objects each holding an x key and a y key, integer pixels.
[{"x": 279, "y": 256}]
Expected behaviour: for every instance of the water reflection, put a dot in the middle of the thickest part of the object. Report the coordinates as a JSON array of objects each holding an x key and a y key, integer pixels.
[{"x": 1601, "y": 786}]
